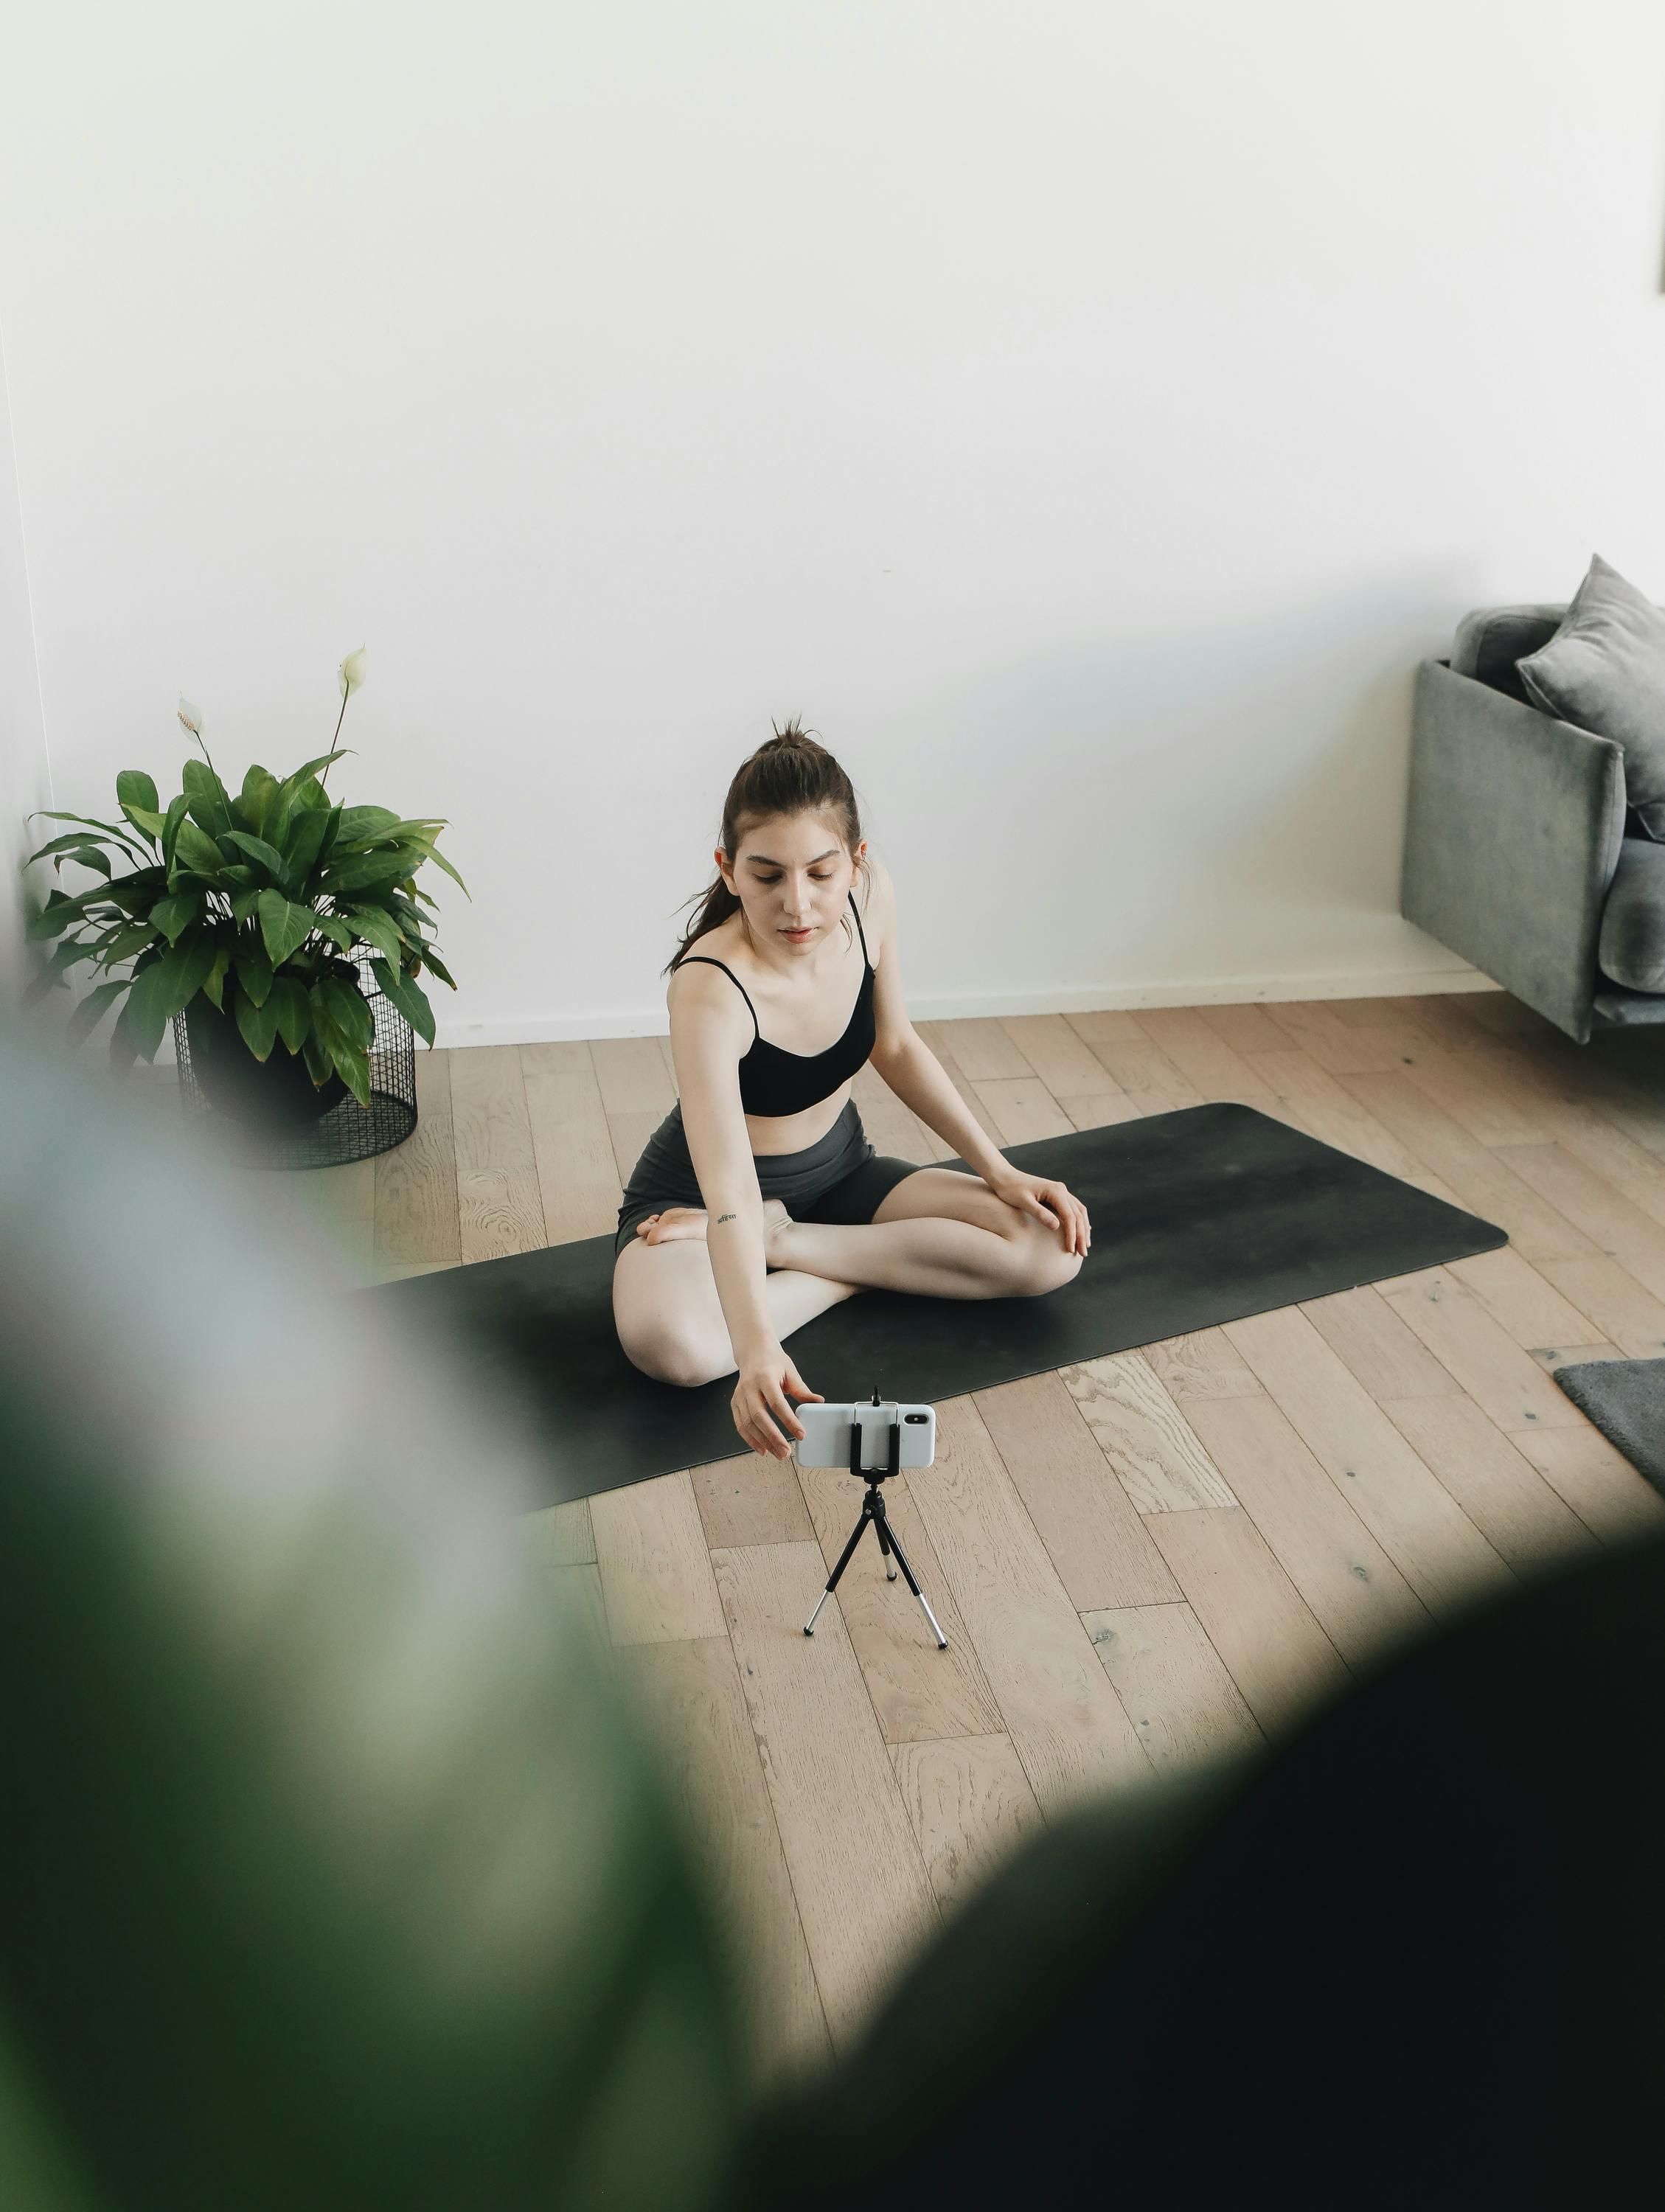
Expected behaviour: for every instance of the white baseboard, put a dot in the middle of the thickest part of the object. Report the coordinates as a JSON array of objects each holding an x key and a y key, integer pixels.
[{"x": 1231, "y": 991}]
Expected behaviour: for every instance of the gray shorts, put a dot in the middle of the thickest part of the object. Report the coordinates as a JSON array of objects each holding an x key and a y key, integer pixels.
[{"x": 840, "y": 1178}]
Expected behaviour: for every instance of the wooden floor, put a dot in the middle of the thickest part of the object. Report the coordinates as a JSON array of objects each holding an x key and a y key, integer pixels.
[{"x": 1144, "y": 1560}]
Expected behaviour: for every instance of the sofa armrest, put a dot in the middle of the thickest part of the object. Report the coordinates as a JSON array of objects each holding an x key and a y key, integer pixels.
[{"x": 1511, "y": 838}]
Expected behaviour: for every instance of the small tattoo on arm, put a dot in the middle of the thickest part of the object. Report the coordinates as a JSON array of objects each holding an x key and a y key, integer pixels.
[{"x": 722, "y": 1217}]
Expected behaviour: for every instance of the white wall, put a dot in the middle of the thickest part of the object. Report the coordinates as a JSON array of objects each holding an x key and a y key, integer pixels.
[
  {"x": 25, "y": 774},
  {"x": 1084, "y": 415}
]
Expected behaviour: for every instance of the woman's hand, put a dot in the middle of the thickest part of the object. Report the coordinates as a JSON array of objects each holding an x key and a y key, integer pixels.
[
  {"x": 761, "y": 1410},
  {"x": 1048, "y": 1202}
]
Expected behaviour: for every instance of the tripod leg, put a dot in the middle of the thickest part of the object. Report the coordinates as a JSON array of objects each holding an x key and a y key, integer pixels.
[
  {"x": 887, "y": 1533},
  {"x": 866, "y": 1514},
  {"x": 881, "y": 1530}
]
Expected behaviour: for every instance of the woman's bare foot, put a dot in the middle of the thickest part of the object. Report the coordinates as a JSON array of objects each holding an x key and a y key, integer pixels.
[{"x": 690, "y": 1221}]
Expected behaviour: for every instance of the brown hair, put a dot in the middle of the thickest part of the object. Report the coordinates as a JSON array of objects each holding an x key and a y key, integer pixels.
[{"x": 790, "y": 773}]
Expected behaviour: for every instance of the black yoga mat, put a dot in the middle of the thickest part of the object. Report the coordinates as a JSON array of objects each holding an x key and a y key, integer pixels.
[
  {"x": 1198, "y": 1217},
  {"x": 1626, "y": 1399}
]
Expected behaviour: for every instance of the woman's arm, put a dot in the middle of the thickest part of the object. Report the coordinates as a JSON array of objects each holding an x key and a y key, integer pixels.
[{"x": 710, "y": 1028}]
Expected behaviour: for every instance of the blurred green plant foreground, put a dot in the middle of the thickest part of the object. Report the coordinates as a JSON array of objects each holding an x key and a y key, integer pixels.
[{"x": 334, "y": 1872}]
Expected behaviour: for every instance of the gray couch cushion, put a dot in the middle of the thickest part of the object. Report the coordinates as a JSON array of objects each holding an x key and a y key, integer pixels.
[
  {"x": 1631, "y": 949},
  {"x": 1491, "y": 640},
  {"x": 1604, "y": 671}
]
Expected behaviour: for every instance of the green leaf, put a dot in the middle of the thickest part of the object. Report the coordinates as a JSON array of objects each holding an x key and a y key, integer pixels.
[
  {"x": 258, "y": 795},
  {"x": 205, "y": 798},
  {"x": 123, "y": 1049},
  {"x": 135, "y": 788},
  {"x": 258, "y": 1023},
  {"x": 170, "y": 829},
  {"x": 408, "y": 995},
  {"x": 90, "y": 856},
  {"x": 254, "y": 974},
  {"x": 437, "y": 965},
  {"x": 171, "y": 915},
  {"x": 361, "y": 823},
  {"x": 243, "y": 905},
  {"x": 377, "y": 929},
  {"x": 127, "y": 941},
  {"x": 336, "y": 930},
  {"x": 358, "y": 871},
  {"x": 214, "y": 982},
  {"x": 319, "y": 1065},
  {"x": 304, "y": 843},
  {"x": 91, "y": 822},
  {"x": 143, "y": 818},
  {"x": 439, "y": 861},
  {"x": 56, "y": 916},
  {"x": 88, "y": 1015},
  {"x": 257, "y": 849},
  {"x": 352, "y": 1067},
  {"x": 71, "y": 843},
  {"x": 195, "y": 848},
  {"x": 49, "y": 976},
  {"x": 292, "y": 785},
  {"x": 165, "y": 988},
  {"x": 285, "y": 927},
  {"x": 292, "y": 1009},
  {"x": 347, "y": 1011}
]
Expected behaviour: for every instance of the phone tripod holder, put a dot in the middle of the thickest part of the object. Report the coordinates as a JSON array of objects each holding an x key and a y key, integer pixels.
[{"x": 873, "y": 1509}]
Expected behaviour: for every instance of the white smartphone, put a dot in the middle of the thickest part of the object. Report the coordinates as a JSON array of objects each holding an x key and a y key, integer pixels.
[{"x": 826, "y": 1438}]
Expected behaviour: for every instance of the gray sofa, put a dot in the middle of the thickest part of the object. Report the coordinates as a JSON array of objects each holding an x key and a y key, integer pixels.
[{"x": 1516, "y": 850}]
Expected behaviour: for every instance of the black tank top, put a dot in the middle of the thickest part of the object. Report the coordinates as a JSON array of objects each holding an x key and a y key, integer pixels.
[{"x": 775, "y": 1082}]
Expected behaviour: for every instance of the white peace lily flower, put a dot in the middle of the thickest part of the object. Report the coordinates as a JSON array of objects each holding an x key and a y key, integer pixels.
[
  {"x": 352, "y": 672},
  {"x": 190, "y": 716}
]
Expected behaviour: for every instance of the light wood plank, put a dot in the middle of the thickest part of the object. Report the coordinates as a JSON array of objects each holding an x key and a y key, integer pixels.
[
  {"x": 919, "y": 1690},
  {"x": 1265, "y": 1634},
  {"x": 559, "y": 1536},
  {"x": 1200, "y": 1052},
  {"x": 1526, "y": 1522},
  {"x": 1438, "y": 1550},
  {"x": 1023, "y": 1109},
  {"x": 864, "y": 1897},
  {"x": 633, "y": 1075},
  {"x": 691, "y": 1697},
  {"x": 971, "y": 1807},
  {"x": 1086, "y": 1518},
  {"x": 577, "y": 1175},
  {"x": 1515, "y": 1294},
  {"x": 414, "y": 1205},
  {"x": 1140, "y": 1429},
  {"x": 1142, "y": 1070},
  {"x": 655, "y": 1567},
  {"x": 1458, "y": 1084},
  {"x": 1335, "y": 1117},
  {"x": 1610, "y": 1221},
  {"x": 500, "y": 1205},
  {"x": 1388, "y": 1359},
  {"x": 1496, "y": 1374},
  {"x": 1603, "y": 1489},
  {"x": 1100, "y": 1110},
  {"x": 1245, "y": 1028},
  {"x": 1345, "y": 1050},
  {"x": 1115, "y": 1025},
  {"x": 983, "y": 1050},
  {"x": 1481, "y": 1176},
  {"x": 1203, "y": 1365},
  {"x": 1627, "y": 1315},
  {"x": 751, "y": 1499},
  {"x": 628, "y": 1133},
  {"x": 1176, "y": 1689},
  {"x": 1070, "y": 1729},
  {"x": 1056, "y": 1055},
  {"x": 1352, "y": 1587}
]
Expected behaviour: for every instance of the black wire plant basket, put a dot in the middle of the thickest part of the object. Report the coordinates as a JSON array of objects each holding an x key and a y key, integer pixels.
[{"x": 344, "y": 1131}]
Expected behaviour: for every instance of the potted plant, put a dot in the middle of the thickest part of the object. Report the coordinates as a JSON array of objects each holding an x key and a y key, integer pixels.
[{"x": 244, "y": 912}]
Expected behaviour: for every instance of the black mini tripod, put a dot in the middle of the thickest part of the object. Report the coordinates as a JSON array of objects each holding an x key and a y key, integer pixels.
[{"x": 872, "y": 1509}]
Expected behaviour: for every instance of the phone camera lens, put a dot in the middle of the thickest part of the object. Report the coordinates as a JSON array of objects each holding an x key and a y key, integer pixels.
[{"x": 913, "y": 1417}]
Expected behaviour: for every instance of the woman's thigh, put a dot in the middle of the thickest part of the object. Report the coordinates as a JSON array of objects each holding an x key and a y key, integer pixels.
[
  {"x": 665, "y": 1296},
  {"x": 948, "y": 1193}
]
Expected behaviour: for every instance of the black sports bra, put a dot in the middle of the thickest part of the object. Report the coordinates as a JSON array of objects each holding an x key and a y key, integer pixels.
[{"x": 775, "y": 1082}]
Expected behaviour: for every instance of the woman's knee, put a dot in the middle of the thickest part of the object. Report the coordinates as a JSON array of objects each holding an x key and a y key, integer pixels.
[
  {"x": 673, "y": 1351},
  {"x": 1038, "y": 1263}
]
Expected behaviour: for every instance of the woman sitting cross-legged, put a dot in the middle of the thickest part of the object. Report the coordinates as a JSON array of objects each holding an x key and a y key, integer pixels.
[{"x": 759, "y": 1201}]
